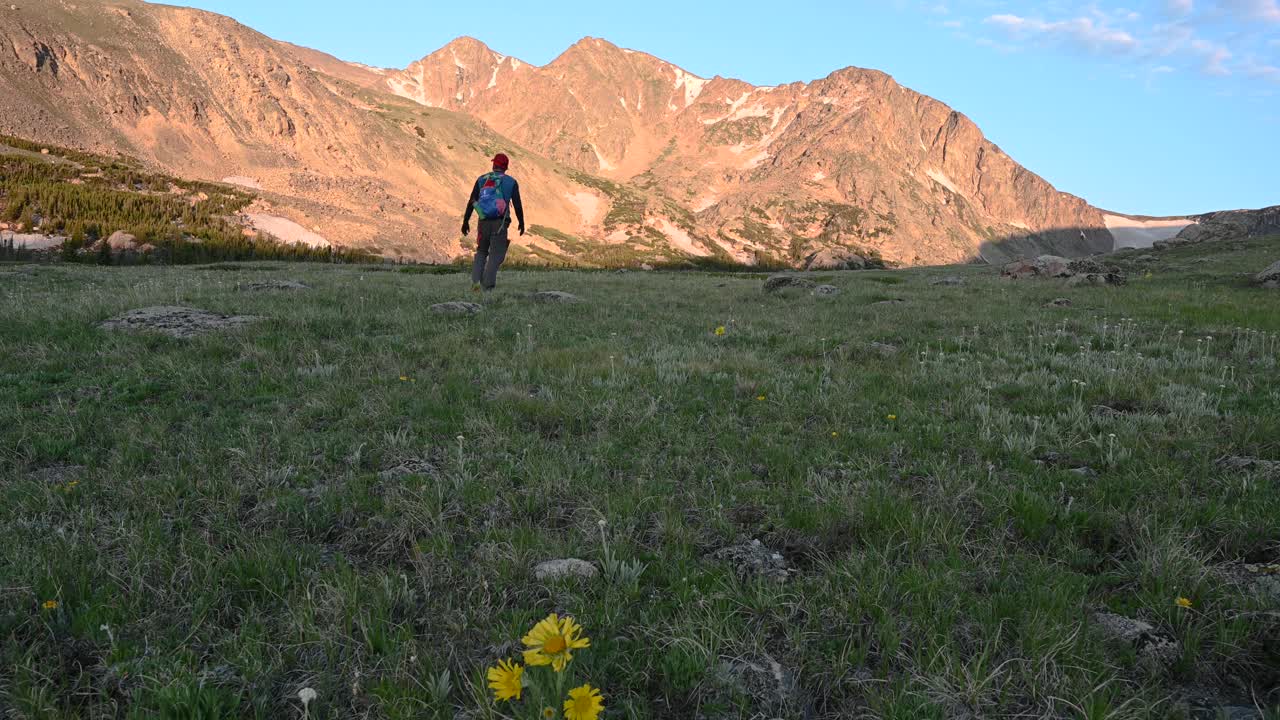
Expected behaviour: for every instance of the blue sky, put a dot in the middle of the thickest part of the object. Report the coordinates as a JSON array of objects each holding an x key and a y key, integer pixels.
[{"x": 1156, "y": 107}]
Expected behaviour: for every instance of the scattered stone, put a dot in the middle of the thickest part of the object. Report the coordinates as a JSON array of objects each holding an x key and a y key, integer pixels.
[
  {"x": 835, "y": 259},
  {"x": 890, "y": 301},
  {"x": 555, "y": 296},
  {"x": 1096, "y": 279},
  {"x": 567, "y": 568},
  {"x": 413, "y": 466},
  {"x": 827, "y": 290},
  {"x": 1268, "y": 468},
  {"x": 779, "y": 282},
  {"x": 261, "y": 285},
  {"x": 1043, "y": 266},
  {"x": 646, "y": 267},
  {"x": 1270, "y": 278},
  {"x": 175, "y": 321},
  {"x": 1084, "y": 471},
  {"x": 771, "y": 688},
  {"x": 1157, "y": 651},
  {"x": 754, "y": 559},
  {"x": 1058, "y": 302},
  {"x": 457, "y": 308},
  {"x": 1083, "y": 271},
  {"x": 948, "y": 281}
]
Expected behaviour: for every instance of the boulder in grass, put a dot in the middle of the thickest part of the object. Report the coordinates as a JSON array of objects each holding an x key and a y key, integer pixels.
[
  {"x": 776, "y": 283},
  {"x": 571, "y": 568},
  {"x": 457, "y": 308},
  {"x": 175, "y": 321},
  {"x": 1156, "y": 650},
  {"x": 267, "y": 285},
  {"x": 835, "y": 259},
  {"x": 555, "y": 296},
  {"x": 826, "y": 290},
  {"x": 1270, "y": 278}
]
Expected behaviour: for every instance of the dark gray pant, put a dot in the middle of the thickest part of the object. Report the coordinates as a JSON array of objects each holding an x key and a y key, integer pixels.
[{"x": 491, "y": 250}]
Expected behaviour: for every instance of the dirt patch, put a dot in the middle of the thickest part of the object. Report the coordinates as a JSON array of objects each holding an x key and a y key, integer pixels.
[{"x": 179, "y": 322}]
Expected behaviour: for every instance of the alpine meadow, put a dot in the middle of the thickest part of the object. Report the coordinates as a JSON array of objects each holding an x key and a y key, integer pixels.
[{"x": 802, "y": 401}]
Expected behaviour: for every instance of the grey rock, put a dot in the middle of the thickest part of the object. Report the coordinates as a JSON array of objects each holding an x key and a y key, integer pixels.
[
  {"x": 779, "y": 282},
  {"x": 1156, "y": 650},
  {"x": 771, "y": 688},
  {"x": 1096, "y": 279},
  {"x": 457, "y": 308},
  {"x": 261, "y": 285},
  {"x": 646, "y": 267},
  {"x": 753, "y": 559},
  {"x": 1251, "y": 465},
  {"x": 555, "y": 296},
  {"x": 1058, "y": 302},
  {"x": 571, "y": 568},
  {"x": 1232, "y": 225},
  {"x": 412, "y": 466},
  {"x": 1045, "y": 266},
  {"x": 175, "y": 321},
  {"x": 882, "y": 349},
  {"x": 826, "y": 290},
  {"x": 58, "y": 474},
  {"x": 1271, "y": 276}
]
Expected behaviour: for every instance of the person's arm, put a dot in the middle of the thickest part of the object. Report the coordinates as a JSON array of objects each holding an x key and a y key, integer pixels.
[
  {"x": 471, "y": 205},
  {"x": 515, "y": 202}
]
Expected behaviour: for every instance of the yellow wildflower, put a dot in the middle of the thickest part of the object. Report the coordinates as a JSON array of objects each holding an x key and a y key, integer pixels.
[
  {"x": 1184, "y": 603},
  {"x": 548, "y": 712},
  {"x": 720, "y": 331},
  {"x": 552, "y": 642},
  {"x": 892, "y": 418},
  {"x": 760, "y": 398},
  {"x": 584, "y": 703},
  {"x": 505, "y": 680},
  {"x": 404, "y": 378},
  {"x": 50, "y": 605},
  {"x": 835, "y": 434}
]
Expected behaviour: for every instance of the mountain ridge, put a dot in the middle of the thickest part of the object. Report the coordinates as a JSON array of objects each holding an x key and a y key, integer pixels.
[{"x": 618, "y": 149}]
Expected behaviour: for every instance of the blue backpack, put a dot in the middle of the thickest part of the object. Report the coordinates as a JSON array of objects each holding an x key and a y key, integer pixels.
[{"x": 494, "y": 195}]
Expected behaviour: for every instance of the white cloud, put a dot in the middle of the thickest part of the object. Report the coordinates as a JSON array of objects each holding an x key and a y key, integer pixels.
[
  {"x": 1267, "y": 10},
  {"x": 1179, "y": 7},
  {"x": 1082, "y": 32}
]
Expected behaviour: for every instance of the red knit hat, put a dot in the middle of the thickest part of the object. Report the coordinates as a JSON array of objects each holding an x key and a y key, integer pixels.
[{"x": 501, "y": 161}]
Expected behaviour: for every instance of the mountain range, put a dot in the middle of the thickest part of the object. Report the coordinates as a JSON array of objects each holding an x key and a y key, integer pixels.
[{"x": 621, "y": 156}]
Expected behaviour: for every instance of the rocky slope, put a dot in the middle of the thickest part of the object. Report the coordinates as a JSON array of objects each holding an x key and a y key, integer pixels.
[
  {"x": 621, "y": 155},
  {"x": 854, "y": 159}
]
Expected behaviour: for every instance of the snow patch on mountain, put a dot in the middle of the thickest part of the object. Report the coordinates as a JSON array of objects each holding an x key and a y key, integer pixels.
[
  {"x": 604, "y": 164},
  {"x": 1131, "y": 233},
  {"x": 692, "y": 85},
  {"x": 678, "y": 238},
  {"x": 941, "y": 178},
  {"x": 286, "y": 230}
]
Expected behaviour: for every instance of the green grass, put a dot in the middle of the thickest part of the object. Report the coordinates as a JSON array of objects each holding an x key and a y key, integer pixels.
[{"x": 231, "y": 538}]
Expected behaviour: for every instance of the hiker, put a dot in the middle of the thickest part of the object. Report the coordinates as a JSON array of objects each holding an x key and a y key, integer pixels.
[{"x": 493, "y": 196}]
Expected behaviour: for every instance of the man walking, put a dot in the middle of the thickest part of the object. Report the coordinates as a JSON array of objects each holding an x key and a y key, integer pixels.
[{"x": 492, "y": 198}]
